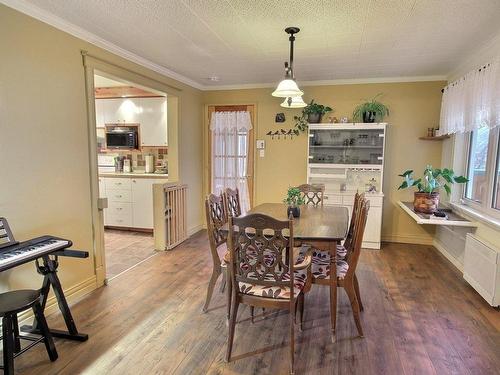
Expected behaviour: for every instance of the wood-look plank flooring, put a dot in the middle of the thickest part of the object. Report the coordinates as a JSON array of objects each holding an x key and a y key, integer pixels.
[
  {"x": 420, "y": 317},
  {"x": 124, "y": 249}
]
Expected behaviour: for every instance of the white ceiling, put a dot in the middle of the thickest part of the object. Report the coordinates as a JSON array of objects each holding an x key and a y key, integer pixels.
[{"x": 243, "y": 42}]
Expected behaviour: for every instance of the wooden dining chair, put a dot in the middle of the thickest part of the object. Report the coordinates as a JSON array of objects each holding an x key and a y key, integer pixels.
[
  {"x": 216, "y": 218},
  {"x": 313, "y": 194},
  {"x": 264, "y": 279},
  {"x": 346, "y": 266},
  {"x": 232, "y": 202}
]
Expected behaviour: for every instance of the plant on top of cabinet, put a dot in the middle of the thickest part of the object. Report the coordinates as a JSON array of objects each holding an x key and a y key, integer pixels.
[
  {"x": 426, "y": 199},
  {"x": 311, "y": 114},
  {"x": 371, "y": 110}
]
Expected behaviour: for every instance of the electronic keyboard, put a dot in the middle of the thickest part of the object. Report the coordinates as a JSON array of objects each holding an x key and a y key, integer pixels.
[{"x": 24, "y": 252}]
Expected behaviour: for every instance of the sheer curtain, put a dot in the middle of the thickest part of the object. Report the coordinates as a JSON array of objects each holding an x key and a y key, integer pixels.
[
  {"x": 472, "y": 101},
  {"x": 230, "y": 153}
]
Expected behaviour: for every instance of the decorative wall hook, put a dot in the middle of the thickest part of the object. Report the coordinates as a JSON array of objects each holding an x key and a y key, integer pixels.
[{"x": 283, "y": 133}]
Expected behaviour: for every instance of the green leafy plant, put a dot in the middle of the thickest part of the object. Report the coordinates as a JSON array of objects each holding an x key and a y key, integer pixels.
[
  {"x": 374, "y": 106},
  {"x": 311, "y": 108},
  {"x": 293, "y": 197},
  {"x": 432, "y": 180}
]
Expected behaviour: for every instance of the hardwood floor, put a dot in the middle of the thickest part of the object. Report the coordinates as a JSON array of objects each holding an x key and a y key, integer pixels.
[
  {"x": 125, "y": 249},
  {"x": 420, "y": 317}
]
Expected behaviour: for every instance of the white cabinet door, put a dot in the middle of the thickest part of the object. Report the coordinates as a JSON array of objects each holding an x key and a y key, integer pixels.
[
  {"x": 373, "y": 225},
  {"x": 102, "y": 194},
  {"x": 142, "y": 203},
  {"x": 99, "y": 113},
  {"x": 153, "y": 121},
  {"x": 117, "y": 111}
]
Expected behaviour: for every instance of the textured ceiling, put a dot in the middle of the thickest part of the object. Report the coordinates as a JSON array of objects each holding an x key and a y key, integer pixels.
[{"x": 243, "y": 42}]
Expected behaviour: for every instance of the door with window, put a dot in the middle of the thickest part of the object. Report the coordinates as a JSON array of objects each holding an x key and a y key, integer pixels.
[{"x": 231, "y": 158}]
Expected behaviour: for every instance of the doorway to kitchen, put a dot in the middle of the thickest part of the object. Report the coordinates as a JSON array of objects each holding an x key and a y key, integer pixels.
[
  {"x": 230, "y": 150},
  {"x": 132, "y": 155}
]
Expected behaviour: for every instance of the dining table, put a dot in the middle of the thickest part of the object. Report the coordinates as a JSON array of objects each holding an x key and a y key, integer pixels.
[{"x": 321, "y": 227}]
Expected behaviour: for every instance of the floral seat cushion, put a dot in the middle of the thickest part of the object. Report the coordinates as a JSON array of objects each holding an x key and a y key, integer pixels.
[
  {"x": 299, "y": 281},
  {"x": 320, "y": 267}
]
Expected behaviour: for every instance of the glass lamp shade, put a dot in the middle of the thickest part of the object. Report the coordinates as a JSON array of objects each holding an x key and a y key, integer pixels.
[
  {"x": 287, "y": 88},
  {"x": 295, "y": 102}
]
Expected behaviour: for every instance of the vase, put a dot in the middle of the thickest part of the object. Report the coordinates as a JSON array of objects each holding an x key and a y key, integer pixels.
[
  {"x": 426, "y": 203},
  {"x": 294, "y": 210},
  {"x": 314, "y": 118},
  {"x": 369, "y": 116}
]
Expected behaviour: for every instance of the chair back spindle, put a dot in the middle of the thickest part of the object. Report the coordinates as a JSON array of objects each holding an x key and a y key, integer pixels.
[
  {"x": 232, "y": 202},
  {"x": 216, "y": 219},
  {"x": 312, "y": 194},
  {"x": 357, "y": 238}
]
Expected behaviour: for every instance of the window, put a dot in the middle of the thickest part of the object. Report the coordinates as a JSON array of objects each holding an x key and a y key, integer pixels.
[
  {"x": 482, "y": 192},
  {"x": 496, "y": 187},
  {"x": 477, "y": 186}
]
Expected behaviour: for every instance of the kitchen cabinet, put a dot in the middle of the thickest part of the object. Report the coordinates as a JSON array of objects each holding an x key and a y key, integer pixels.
[
  {"x": 351, "y": 157},
  {"x": 149, "y": 113},
  {"x": 130, "y": 201},
  {"x": 153, "y": 121}
]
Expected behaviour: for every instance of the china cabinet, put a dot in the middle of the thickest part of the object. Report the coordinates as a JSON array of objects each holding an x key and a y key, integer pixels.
[{"x": 347, "y": 158}]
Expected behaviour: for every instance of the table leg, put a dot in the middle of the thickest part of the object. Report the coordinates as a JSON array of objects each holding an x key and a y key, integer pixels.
[{"x": 332, "y": 248}]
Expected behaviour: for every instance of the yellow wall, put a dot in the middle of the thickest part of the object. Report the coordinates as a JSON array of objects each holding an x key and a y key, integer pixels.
[
  {"x": 44, "y": 160},
  {"x": 414, "y": 107}
]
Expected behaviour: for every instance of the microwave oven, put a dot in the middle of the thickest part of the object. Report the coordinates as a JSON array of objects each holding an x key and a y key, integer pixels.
[{"x": 122, "y": 138}]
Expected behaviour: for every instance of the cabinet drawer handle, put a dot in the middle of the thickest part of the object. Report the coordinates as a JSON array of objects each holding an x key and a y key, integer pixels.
[
  {"x": 118, "y": 183},
  {"x": 118, "y": 196},
  {"x": 119, "y": 208}
]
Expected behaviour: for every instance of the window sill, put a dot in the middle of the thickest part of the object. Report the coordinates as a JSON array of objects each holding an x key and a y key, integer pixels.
[{"x": 479, "y": 216}]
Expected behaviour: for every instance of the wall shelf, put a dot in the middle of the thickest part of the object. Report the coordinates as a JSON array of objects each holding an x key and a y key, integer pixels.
[
  {"x": 436, "y": 138},
  {"x": 453, "y": 220}
]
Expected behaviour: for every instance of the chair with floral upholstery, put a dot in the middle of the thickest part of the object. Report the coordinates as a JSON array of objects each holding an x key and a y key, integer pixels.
[
  {"x": 346, "y": 266},
  {"x": 216, "y": 219},
  {"x": 264, "y": 278}
]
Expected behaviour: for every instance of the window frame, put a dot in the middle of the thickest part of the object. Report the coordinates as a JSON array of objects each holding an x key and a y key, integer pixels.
[{"x": 485, "y": 207}]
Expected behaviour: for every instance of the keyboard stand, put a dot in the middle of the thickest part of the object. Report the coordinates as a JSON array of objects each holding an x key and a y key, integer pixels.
[{"x": 50, "y": 278}]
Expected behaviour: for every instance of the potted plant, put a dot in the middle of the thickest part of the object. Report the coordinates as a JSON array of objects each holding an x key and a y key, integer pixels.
[
  {"x": 426, "y": 199},
  {"x": 370, "y": 111},
  {"x": 311, "y": 114},
  {"x": 293, "y": 199}
]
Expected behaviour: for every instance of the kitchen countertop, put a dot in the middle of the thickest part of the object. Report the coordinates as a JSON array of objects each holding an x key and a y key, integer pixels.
[{"x": 134, "y": 175}]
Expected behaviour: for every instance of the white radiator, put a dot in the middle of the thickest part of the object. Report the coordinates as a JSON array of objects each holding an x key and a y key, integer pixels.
[
  {"x": 482, "y": 268},
  {"x": 170, "y": 221}
]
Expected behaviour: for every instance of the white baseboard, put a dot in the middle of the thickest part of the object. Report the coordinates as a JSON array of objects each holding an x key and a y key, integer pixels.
[
  {"x": 442, "y": 249},
  {"x": 408, "y": 238},
  {"x": 195, "y": 229},
  {"x": 73, "y": 295}
]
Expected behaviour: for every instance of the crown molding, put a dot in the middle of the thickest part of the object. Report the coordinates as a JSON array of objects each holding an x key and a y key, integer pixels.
[
  {"x": 331, "y": 82},
  {"x": 70, "y": 28}
]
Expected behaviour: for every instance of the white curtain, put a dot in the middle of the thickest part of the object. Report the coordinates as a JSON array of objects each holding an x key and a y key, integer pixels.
[
  {"x": 472, "y": 102},
  {"x": 230, "y": 153}
]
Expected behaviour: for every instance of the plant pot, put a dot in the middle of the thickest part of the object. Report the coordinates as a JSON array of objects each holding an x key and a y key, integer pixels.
[
  {"x": 426, "y": 203},
  {"x": 369, "y": 116},
  {"x": 314, "y": 118},
  {"x": 294, "y": 210}
]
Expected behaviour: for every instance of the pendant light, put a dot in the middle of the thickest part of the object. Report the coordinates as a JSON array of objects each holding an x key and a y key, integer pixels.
[
  {"x": 288, "y": 87},
  {"x": 295, "y": 102}
]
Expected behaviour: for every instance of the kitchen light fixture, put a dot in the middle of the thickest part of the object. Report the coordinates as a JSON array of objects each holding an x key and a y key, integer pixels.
[
  {"x": 288, "y": 87},
  {"x": 295, "y": 102}
]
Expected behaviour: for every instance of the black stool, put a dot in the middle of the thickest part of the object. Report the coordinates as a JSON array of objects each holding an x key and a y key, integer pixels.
[{"x": 12, "y": 303}]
